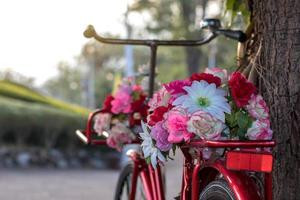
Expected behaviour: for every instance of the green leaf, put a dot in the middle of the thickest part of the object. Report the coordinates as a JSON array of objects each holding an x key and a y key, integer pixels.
[
  {"x": 230, "y": 120},
  {"x": 230, "y": 4},
  {"x": 241, "y": 133},
  {"x": 148, "y": 160},
  {"x": 243, "y": 119}
]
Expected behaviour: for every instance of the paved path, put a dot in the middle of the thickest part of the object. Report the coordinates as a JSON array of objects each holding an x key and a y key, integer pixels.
[{"x": 45, "y": 184}]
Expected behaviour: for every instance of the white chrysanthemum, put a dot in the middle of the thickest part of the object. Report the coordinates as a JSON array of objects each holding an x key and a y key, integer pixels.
[
  {"x": 205, "y": 97},
  {"x": 148, "y": 147}
]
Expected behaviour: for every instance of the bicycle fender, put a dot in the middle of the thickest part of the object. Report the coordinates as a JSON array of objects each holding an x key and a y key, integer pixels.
[{"x": 241, "y": 184}]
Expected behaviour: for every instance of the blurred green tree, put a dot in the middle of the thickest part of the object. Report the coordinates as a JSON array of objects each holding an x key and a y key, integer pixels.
[
  {"x": 11, "y": 75},
  {"x": 66, "y": 85},
  {"x": 177, "y": 19}
]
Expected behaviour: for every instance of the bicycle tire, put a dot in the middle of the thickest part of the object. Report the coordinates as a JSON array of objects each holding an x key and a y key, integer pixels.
[
  {"x": 217, "y": 190},
  {"x": 124, "y": 182}
]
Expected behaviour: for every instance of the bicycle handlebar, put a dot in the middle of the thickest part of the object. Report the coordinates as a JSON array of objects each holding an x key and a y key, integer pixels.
[
  {"x": 236, "y": 35},
  {"x": 91, "y": 33}
]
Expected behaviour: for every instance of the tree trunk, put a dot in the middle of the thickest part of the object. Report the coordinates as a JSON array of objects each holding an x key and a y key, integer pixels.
[
  {"x": 277, "y": 62},
  {"x": 192, "y": 54},
  {"x": 192, "y": 59}
]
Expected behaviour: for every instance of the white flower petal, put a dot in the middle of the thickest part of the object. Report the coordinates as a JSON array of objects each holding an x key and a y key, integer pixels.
[{"x": 154, "y": 159}]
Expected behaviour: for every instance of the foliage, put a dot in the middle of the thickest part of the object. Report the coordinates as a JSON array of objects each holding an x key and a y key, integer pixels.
[
  {"x": 37, "y": 124},
  {"x": 66, "y": 85},
  {"x": 17, "y": 91},
  {"x": 13, "y": 76},
  {"x": 235, "y": 7},
  {"x": 173, "y": 20}
]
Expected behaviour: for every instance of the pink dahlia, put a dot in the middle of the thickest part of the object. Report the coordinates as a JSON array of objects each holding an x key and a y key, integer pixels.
[
  {"x": 260, "y": 130},
  {"x": 176, "y": 87},
  {"x": 121, "y": 103},
  {"x": 176, "y": 123},
  {"x": 160, "y": 98},
  {"x": 257, "y": 107},
  {"x": 205, "y": 126}
]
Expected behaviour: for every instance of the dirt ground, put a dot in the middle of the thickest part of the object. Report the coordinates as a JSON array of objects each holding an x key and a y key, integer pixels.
[{"x": 47, "y": 184}]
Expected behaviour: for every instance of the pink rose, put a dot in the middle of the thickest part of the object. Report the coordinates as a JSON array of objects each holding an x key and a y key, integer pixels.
[
  {"x": 257, "y": 107},
  {"x": 260, "y": 130},
  {"x": 102, "y": 122},
  {"x": 160, "y": 98},
  {"x": 119, "y": 136},
  {"x": 176, "y": 124},
  {"x": 121, "y": 103},
  {"x": 111, "y": 142},
  {"x": 205, "y": 125},
  {"x": 160, "y": 135},
  {"x": 221, "y": 73}
]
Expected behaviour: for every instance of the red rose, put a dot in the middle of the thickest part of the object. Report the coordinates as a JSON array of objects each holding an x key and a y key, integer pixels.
[
  {"x": 137, "y": 104},
  {"x": 139, "y": 111},
  {"x": 107, "y": 103},
  {"x": 209, "y": 78},
  {"x": 241, "y": 89},
  {"x": 158, "y": 114},
  {"x": 136, "y": 117}
]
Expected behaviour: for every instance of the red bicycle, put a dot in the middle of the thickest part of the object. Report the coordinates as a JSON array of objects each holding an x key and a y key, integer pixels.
[{"x": 242, "y": 173}]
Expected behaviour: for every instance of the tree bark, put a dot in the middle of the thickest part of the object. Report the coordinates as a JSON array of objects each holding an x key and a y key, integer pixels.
[{"x": 277, "y": 27}]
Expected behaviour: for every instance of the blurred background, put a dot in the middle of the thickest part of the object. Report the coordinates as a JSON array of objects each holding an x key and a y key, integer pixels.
[{"x": 51, "y": 77}]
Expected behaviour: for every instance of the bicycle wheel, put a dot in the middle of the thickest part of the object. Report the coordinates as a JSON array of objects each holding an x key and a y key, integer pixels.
[
  {"x": 217, "y": 190},
  {"x": 124, "y": 185}
]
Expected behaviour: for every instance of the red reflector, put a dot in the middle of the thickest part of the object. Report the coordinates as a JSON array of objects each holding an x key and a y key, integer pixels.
[{"x": 259, "y": 162}]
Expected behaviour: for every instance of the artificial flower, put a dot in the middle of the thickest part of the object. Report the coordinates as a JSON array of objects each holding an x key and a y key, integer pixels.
[
  {"x": 160, "y": 98},
  {"x": 160, "y": 135},
  {"x": 107, "y": 103},
  {"x": 205, "y": 126},
  {"x": 202, "y": 96},
  {"x": 119, "y": 135},
  {"x": 176, "y": 87},
  {"x": 221, "y": 73},
  {"x": 176, "y": 124},
  {"x": 209, "y": 78},
  {"x": 102, "y": 122},
  {"x": 241, "y": 89},
  {"x": 260, "y": 130},
  {"x": 121, "y": 103},
  {"x": 137, "y": 88},
  {"x": 149, "y": 150},
  {"x": 257, "y": 107},
  {"x": 157, "y": 114},
  {"x": 138, "y": 103}
]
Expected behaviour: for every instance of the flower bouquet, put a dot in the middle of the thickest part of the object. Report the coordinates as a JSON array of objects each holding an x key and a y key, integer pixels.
[
  {"x": 121, "y": 114},
  {"x": 208, "y": 106}
]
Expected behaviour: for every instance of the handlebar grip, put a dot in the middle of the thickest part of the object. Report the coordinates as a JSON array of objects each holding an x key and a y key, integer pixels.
[
  {"x": 236, "y": 35},
  {"x": 82, "y": 136}
]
